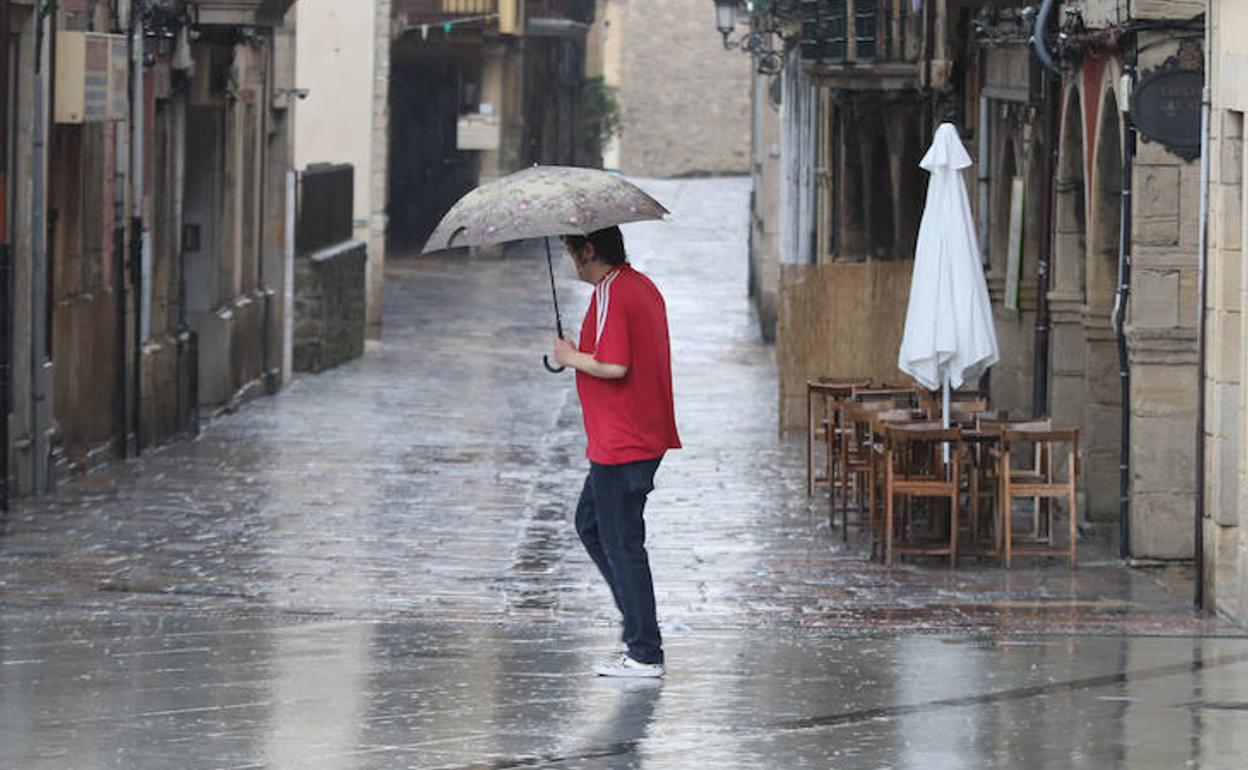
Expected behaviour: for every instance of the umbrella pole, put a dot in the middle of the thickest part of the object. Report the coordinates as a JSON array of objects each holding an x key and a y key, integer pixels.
[
  {"x": 554, "y": 295},
  {"x": 944, "y": 420}
]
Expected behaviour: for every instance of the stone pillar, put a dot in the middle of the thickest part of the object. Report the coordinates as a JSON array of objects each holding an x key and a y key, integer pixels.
[
  {"x": 1162, "y": 341},
  {"x": 765, "y": 209},
  {"x": 1067, "y": 362},
  {"x": 493, "y": 85},
  {"x": 1163, "y": 436},
  {"x": 1225, "y": 375},
  {"x": 379, "y": 168},
  {"x": 1100, "y": 424},
  {"x": 502, "y": 85}
]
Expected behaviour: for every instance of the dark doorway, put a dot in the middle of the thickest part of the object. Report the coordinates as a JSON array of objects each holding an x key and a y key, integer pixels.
[{"x": 431, "y": 83}]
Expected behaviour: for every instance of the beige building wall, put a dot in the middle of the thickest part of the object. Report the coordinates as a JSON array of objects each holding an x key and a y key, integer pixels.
[
  {"x": 1226, "y": 477},
  {"x": 684, "y": 100},
  {"x": 765, "y": 232},
  {"x": 343, "y": 54}
]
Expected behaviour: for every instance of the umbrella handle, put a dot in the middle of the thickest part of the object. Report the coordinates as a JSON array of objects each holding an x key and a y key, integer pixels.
[{"x": 549, "y": 368}]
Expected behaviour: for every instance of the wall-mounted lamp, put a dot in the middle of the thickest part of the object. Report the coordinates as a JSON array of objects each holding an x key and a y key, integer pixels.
[
  {"x": 758, "y": 41},
  {"x": 726, "y": 20}
]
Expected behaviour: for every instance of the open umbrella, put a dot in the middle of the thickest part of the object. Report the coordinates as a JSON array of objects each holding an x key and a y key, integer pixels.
[
  {"x": 949, "y": 337},
  {"x": 541, "y": 202}
]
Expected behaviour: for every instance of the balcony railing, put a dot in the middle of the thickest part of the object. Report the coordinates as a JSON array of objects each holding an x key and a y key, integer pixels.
[
  {"x": 839, "y": 32},
  {"x": 505, "y": 16},
  {"x": 573, "y": 10},
  {"x": 241, "y": 12},
  {"x": 429, "y": 10}
]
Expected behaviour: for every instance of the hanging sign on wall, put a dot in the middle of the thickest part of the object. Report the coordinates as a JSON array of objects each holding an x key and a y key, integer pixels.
[{"x": 1166, "y": 109}]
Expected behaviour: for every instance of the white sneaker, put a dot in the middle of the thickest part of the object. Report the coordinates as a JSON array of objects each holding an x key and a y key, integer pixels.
[{"x": 627, "y": 667}]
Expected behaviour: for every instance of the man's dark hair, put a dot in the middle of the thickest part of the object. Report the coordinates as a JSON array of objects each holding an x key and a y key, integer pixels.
[{"x": 608, "y": 244}]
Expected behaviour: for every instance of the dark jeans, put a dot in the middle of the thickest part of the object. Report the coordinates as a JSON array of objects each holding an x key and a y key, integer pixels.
[{"x": 609, "y": 521}]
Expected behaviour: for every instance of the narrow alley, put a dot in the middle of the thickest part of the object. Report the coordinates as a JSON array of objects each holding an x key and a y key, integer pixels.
[{"x": 377, "y": 569}]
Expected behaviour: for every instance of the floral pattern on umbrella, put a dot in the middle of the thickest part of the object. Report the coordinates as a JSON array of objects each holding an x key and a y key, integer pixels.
[{"x": 543, "y": 201}]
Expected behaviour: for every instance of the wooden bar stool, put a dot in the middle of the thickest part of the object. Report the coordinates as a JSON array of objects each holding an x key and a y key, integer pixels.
[{"x": 915, "y": 467}]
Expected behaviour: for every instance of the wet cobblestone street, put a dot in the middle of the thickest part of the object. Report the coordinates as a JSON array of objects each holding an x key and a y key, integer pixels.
[{"x": 377, "y": 569}]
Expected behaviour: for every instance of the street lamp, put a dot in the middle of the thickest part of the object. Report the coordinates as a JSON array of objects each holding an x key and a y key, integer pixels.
[
  {"x": 757, "y": 40},
  {"x": 726, "y": 20}
]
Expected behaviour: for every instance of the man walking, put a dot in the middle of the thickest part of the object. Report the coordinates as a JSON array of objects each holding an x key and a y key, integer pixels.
[{"x": 624, "y": 380}]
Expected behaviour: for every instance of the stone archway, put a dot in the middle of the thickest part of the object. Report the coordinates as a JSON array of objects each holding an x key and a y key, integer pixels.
[
  {"x": 1067, "y": 299},
  {"x": 1102, "y": 411}
]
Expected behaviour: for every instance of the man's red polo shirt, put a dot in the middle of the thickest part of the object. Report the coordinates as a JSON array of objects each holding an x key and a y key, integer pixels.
[{"x": 633, "y": 418}]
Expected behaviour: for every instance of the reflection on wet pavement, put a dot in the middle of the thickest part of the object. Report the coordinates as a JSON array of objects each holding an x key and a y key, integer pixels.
[
  {"x": 377, "y": 569},
  {"x": 149, "y": 690}
]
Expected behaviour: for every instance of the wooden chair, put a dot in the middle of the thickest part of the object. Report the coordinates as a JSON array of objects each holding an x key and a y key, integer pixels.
[
  {"x": 962, "y": 404},
  {"x": 823, "y": 397},
  {"x": 879, "y": 422},
  {"x": 900, "y": 397},
  {"x": 915, "y": 467},
  {"x": 855, "y": 461},
  {"x": 986, "y": 484},
  {"x": 1041, "y": 483}
]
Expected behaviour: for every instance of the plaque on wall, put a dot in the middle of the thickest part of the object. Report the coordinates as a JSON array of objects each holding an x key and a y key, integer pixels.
[{"x": 1166, "y": 108}]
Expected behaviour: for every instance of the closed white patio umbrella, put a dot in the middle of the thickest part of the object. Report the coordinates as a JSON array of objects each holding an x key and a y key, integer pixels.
[{"x": 949, "y": 337}]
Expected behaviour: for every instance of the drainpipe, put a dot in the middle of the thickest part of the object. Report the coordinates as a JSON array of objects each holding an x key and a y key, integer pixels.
[
  {"x": 271, "y": 376},
  {"x": 1202, "y": 314},
  {"x": 6, "y": 262},
  {"x": 41, "y": 419},
  {"x": 1037, "y": 38},
  {"x": 1040, "y": 366},
  {"x": 6, "y": 308},
  {"x": 121, "y": 401},
  {"x": 140, "y": 255},
  {"x": 1044, "y": 272},
  {"x": 179, "y": 253},
  {"x": 6, "y": 351},
  {"x": 1120, "y": 315},
  {"x": 985, "y": 179}
]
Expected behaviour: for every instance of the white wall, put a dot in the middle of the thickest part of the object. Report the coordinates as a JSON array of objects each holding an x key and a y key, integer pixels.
[
  {"x": 335, "y": 59},
  {"x": 343, "y": 61}
]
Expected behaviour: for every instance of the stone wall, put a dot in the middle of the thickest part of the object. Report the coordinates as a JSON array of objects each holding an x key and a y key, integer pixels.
[
  {"x": 330, "y": 306},
  {"x": 341, "y": 46},
  {"x": 1161, "y": 333},
  {"x": 765, "y": 210},
  {"x": 1226, "y": 471},
  {"x": 685, "y": 101},
  {"x": 331, "y": 273}
]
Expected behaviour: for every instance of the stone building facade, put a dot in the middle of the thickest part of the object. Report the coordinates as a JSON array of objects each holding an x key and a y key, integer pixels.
[
  {"x": 1158, "y": 228},
  {"x": 839, "y": 123},
  {"x": 341, "y": 46},
  {"x": 1225, "y": 488},
  {"x": 684, "y": 101},
  {"x": 1058, "y": 155},
  {"x": 146, "y": 223},
  {"x": 479, "y": 89}
]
